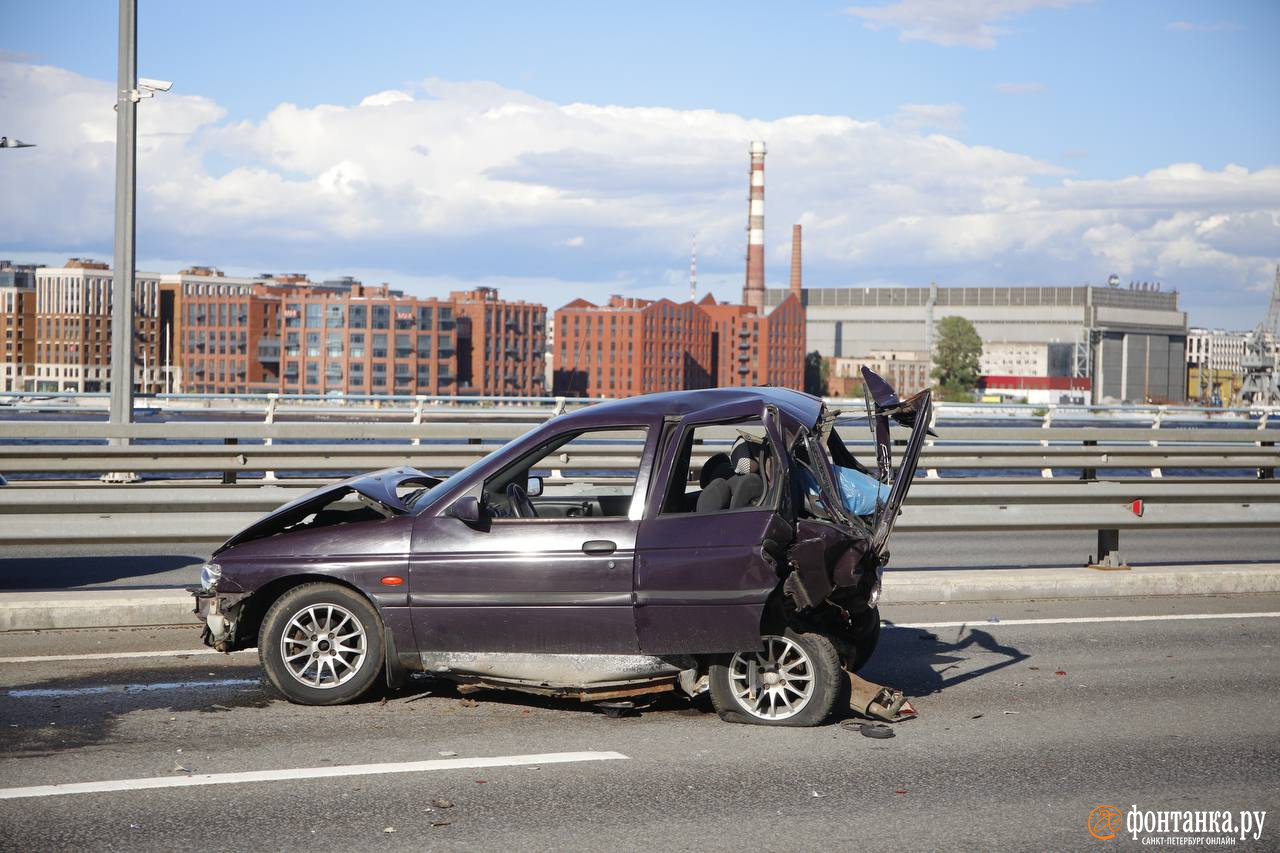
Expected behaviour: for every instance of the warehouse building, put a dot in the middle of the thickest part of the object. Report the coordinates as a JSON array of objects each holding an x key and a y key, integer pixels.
[{"x": 1130, "y": 343}]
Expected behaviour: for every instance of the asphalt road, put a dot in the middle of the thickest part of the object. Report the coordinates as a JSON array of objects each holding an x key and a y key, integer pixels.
[
  {"x": 1024, "y": 730},
  {"x": 161, "y": 565}
]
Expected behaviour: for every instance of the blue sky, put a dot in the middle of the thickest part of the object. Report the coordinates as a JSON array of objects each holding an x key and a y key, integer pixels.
[{"x": 912, "y": 138}]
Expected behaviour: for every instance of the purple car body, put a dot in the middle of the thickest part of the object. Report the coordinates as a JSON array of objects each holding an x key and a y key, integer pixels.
[{"x": 487, "y": 581}]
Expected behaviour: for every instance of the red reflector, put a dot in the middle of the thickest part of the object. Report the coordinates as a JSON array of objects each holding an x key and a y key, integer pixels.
[
  {"x": 392, "y": 580},
  {"x": 1136, "y": 507}
]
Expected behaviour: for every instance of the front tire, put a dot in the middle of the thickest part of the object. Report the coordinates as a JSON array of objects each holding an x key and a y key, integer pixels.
[
  {"x": 794, "y": 681},
  {"x": 321, "y": 644}
]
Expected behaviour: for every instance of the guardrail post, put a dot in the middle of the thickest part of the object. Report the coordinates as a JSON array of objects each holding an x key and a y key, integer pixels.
[
  {"x": 1265, "y": 473},
  {"x": 1089, "y": 473},
  {"x": 229, "y": 477},
  {"x": 417, "y": 418},
  {"x": 272, "y": 400},
  {"x": 1108, "y": 551},
  {"x": 1155, "y": 424},
  {"x": 1047, "y": 423}
]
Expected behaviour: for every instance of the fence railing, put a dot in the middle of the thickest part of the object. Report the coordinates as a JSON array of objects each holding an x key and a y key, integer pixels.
[{"x": 974, "y": 478}]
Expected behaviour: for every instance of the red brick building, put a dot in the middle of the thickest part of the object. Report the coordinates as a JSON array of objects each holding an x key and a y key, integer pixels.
[
  {"x": 756, "y": 349},
  {"x": 17, "y": 323},
  {"x": 638, "y": 346},
  {"x": 500, "y": 344},
  {"x": 631, "y": 346}
]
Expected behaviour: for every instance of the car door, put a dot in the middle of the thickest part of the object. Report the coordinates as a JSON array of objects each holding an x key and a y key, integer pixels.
[
  {"x": 553, "y": 584},
  {"x": 702, "y": 578}
]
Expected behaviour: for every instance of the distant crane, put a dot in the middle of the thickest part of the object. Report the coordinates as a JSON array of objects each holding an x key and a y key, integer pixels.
[{"x": 1261, "y": 385}]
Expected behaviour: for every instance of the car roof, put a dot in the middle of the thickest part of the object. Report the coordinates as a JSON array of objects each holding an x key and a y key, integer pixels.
[{"x": 802, "y": 407}]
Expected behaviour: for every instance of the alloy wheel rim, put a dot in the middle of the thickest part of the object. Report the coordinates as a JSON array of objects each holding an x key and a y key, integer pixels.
[
  {"x": 323, "y": 646},
  {"x": 772, "y": 684}
]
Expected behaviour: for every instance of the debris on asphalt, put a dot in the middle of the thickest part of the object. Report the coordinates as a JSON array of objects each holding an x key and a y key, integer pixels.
[
  {"x": 816, "y": 795},
  {"x": 135, "y": 826},
  {"x": 442, "y": 803},
  {"x": 877, "y": 702},
  {"x": 1011, "y": 712},
  {"x": 1061, "y": 672},
  {"x": 383, "y": 701},
  {"x": 1033, "y": 667},
  {"x": 902, "y": 791},
  {"x": 447, "y": 753},
  {"x": 389, "y": 829},
  {"x": 178, "y": 768},
  {"x": 993, "y": 618},
  {"x": 468, "y": 703},
  {"x": 440, "y": 822},
  {"x": 975, "y": 717},
  {"x": 482, "y": 782},
  {"x": 878, "y": 731}
]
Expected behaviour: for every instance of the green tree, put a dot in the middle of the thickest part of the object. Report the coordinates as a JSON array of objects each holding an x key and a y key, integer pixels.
[
  {"x": 815, "y": 374},
  {"x": 956, "y": 351}
]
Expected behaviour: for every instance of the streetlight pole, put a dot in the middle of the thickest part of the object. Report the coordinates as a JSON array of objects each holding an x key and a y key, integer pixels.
[{"x": 126, "y": 184}]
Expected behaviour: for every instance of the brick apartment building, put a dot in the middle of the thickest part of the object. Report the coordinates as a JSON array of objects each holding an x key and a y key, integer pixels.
[
  {"x": 631, "y": 346},
  {"x": 501, "y": 345},
  {"x": 637, "y": 346},
  {"x": 17, "y": 322},
  {"x": 200, "y": 331}
]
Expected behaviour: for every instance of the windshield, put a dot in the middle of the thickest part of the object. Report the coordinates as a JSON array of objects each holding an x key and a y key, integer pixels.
[{"x": 415, "y": 501}]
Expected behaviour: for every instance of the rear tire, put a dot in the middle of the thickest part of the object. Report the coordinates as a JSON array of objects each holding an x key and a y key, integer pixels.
[
  {"x": 795, "y": 681},
  {"x": 321, "y": 644}
]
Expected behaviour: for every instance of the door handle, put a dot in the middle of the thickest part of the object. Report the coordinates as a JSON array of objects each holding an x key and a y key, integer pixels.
[{"x": 599, "y": 546}]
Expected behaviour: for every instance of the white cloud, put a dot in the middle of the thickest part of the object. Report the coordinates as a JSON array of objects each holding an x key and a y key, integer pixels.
[
  {"x": 951, "y": 23},
  {"x": 917, "y": 117},
  {"x": 452, "y": 184},
  {"x": 1021, "y": 88},
  {"x": 1216, "y": 27}
]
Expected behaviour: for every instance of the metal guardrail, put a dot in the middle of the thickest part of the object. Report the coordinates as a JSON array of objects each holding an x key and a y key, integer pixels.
[
  {"x": 41, "y": 510},
  {"x": 33, "y": 513}
]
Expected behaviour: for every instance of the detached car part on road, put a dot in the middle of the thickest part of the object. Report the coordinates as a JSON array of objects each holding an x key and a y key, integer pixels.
[{"x": 713, "y": 545}]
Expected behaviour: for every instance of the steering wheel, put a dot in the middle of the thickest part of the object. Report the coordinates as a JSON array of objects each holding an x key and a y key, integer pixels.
[{"x": 518, "y": 499}]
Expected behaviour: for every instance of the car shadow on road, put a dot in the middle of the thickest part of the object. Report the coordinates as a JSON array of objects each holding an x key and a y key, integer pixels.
[
  {"x": 51, "y": 715},
  {"x": 51, "y": 573},
  {"x": 919, "y": 663}
]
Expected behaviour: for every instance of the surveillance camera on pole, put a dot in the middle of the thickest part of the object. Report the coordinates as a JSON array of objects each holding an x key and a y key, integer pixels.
[{"x": 147, "y": 88}]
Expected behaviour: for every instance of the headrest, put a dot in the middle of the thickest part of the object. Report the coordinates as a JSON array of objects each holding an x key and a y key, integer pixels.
[
  {"x": 745, "y": 456},
  {"x": 717, "y": 466}
]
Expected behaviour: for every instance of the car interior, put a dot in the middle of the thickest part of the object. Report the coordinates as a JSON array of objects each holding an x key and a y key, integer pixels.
[
  {"x": 736, "y": 477},
  {"x": 555, "y": 481}
]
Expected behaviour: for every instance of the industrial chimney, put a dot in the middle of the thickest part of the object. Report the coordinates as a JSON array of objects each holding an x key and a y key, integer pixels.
[
  {"x": 753, "y": 293},
  {"x": 795, "y": 259}
]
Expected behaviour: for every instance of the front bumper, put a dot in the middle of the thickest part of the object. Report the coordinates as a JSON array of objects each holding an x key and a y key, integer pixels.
[{"x": 220, "y": 614}]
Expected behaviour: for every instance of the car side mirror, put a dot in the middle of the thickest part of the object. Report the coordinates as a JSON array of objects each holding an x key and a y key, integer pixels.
[
  {"x": 534, "y": 488},
  {"x": 466, "y": 509}
]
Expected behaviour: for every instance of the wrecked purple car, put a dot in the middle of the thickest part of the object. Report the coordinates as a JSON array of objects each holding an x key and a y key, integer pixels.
[{"x": 723, "y": 540}]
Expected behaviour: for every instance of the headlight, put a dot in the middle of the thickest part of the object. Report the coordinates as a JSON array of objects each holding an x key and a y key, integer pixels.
[{"x": 210, "y": 574}]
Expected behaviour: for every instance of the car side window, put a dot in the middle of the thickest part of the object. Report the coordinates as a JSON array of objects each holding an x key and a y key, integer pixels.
[
  {"x": 586, "y": 474},
  {"x": 721, "y": 468}
]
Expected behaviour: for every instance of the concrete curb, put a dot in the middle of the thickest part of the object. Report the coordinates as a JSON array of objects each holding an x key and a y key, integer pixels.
[
  {"x": 107, "y": 608},
  {"x": 1021, "y": 584},
  {"x": 110, "y": 608}
]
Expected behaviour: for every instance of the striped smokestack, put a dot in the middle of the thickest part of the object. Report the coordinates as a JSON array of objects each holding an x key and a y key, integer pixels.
[
  {"x": 753, "y": 293},
  {"x": 795, "y": 259}
]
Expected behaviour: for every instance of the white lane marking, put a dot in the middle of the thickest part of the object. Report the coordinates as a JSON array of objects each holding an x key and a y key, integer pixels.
[
  {"x": 1084, "y": 620},
  {"x": 304, "y": 773},
  {"x": 171, "y": 653},
  {"x": 58, "y": 692}
]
